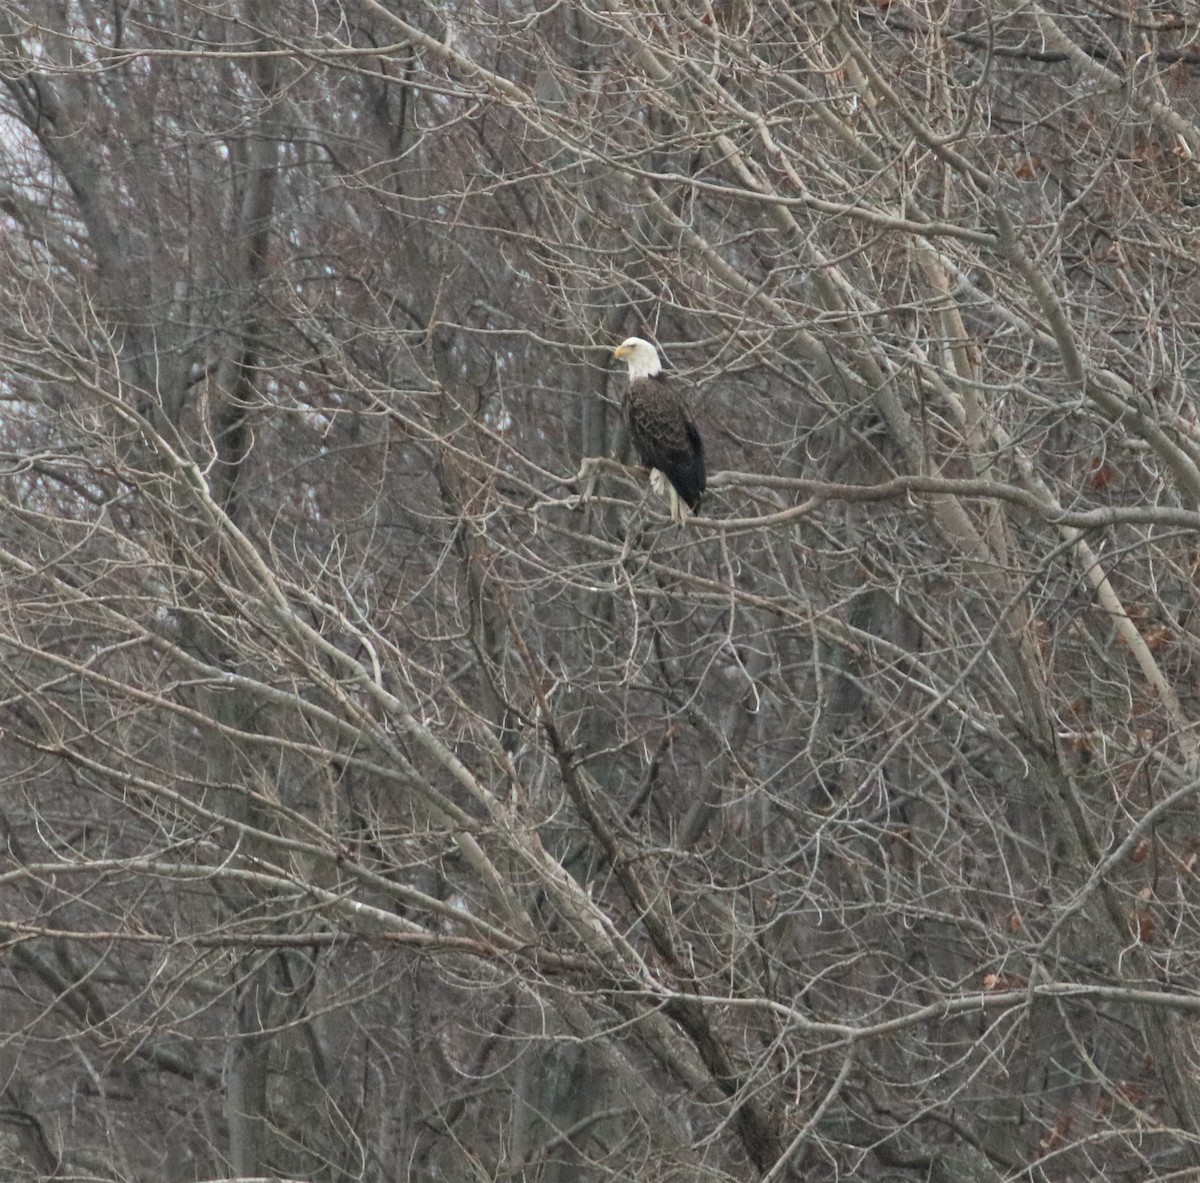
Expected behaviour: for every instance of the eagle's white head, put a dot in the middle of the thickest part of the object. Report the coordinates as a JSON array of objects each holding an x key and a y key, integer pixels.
[{"x": 640, "y": 356}]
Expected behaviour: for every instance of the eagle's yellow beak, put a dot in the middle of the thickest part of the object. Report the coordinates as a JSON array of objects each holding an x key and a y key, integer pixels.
[{"x": 620, "y": 351}]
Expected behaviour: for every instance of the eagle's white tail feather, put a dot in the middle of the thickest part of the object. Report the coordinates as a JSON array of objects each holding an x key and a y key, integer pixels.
[{"x": 680, "y": 510}]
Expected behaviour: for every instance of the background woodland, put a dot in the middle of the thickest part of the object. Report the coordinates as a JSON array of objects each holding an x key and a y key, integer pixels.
[{"x": 371, "y": 809}]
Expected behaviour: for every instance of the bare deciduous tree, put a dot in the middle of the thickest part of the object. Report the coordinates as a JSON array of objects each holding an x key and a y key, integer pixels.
[{"x": 376, "y": 806}]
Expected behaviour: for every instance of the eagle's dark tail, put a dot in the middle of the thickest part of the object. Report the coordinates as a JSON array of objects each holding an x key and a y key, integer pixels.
[
  {"x": 687, "y": 473},
  {"x": 689, "y": 483}
]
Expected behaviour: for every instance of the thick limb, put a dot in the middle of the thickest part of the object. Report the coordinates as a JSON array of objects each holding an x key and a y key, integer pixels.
[{"x": 588, "y": 472}]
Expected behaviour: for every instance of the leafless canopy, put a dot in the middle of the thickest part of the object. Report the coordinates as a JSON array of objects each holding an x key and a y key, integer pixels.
[{"x": 375, "y": 806}]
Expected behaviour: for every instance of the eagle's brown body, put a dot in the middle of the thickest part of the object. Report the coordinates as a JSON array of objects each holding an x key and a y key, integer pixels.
[{"x": 663, "y": 433}]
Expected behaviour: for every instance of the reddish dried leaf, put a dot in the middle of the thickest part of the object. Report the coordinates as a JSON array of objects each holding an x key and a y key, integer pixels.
[
  {"x": 1145, "y": 928},
  {"x": 1101, "y": 475}
]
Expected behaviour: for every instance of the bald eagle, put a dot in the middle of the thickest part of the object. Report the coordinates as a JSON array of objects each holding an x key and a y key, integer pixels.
[{"x": 665, "y": 437}]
